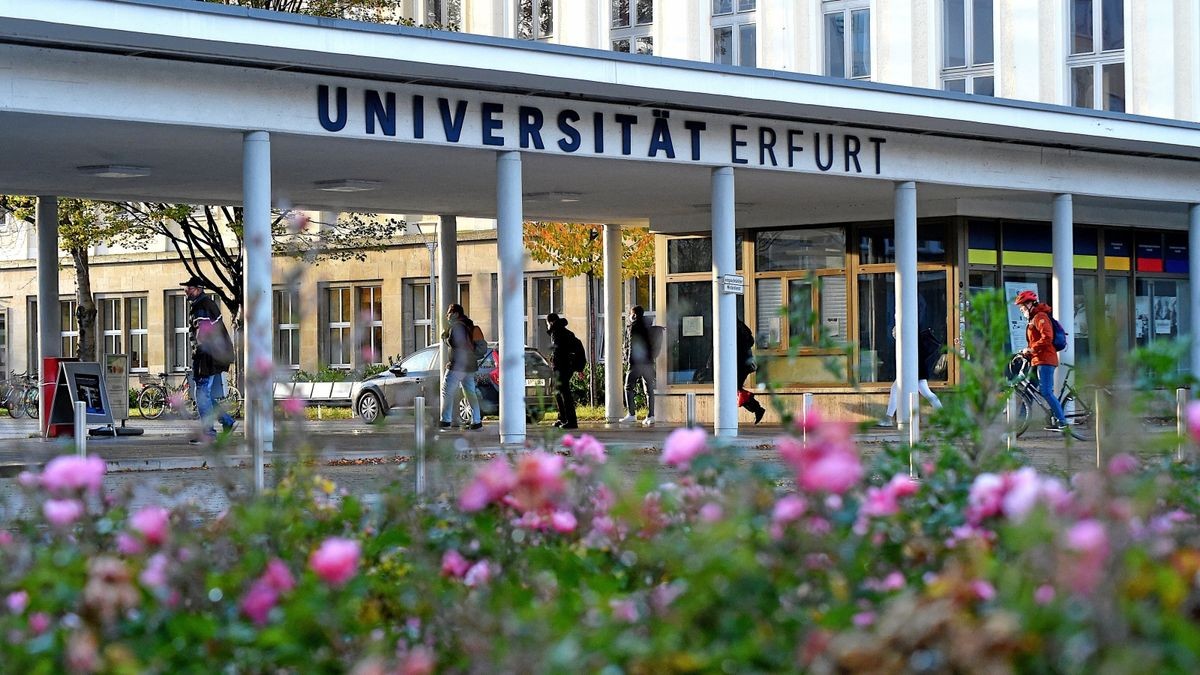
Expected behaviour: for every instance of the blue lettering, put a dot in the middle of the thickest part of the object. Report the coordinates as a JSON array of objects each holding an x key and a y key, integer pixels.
[
  {"x": 824, "y": 166},
  {"x": 695, "y": 128},
  {"x": 878, "y": 152},
  {"x": 852, "y": 147},
  {"x": 418, "y": 112},
  {"x": 378, "y": 110},
  {"x": 660, "y": 139},
  {"x": 452, "y": 123},
  {"x": 765, "y": 146},
  {"x": 323, "y": 108},
  {"x": 529, "y": 123},
  {"x": 490, "y": 123},
  {"x": 572, "y": 139},
  {"x": 734, "y": 143},
  {"x": 598, "y": 131},
  {"x": 793, "y": 147},
  {"x": 626, "y": 122}
]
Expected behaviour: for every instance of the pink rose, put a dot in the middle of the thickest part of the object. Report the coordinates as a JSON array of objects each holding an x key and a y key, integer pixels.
[
  {"x": 127, "y": 544},
  {"x": 153, "y": 523},
  {"x": 17, "y": 601},
  {"x": 585, "y": 447},
  {"x": 1193, "y": 420},
  {"x": 258, "y": 602},
  {"x": 828, "y": 462},
  {"x": 155, "y": 574},
  {"x": 1024, "y": 488},
  {"x": 885, "y": 501},
  {"x": 1088, "y": 541},
  {"x": 69, "y": 473},
  {"x": 6, "y": 538},
  {"x": 789, "y": 508},
  {"x": 711, "y": 512},
  {"x": 292, "y": 406},
  {"x": 563, "y": 522},
  {"x": 983, "y": 590},
  {"x": 454, "y": 564},
  {"x": 539, "y": 480},
  {"x": 1044, "y": 594},
  {"x": 27, "y": 479},
  {"x": 494, "y": 480},
  {"x": 624, "y": 610},
  {"x": 336, "y": 561},
  {"x": 479, "y": 574},
  {"x": 863, "y": 619},
  {"x": 419, "y": 661},
  {"x": 684, "y": 445},
  {"x": 62, "y": 512},
  {"x": 278, "y": 576},
  {"x": 39, "y": 622},
  {"x": 1122, "y": 464}
]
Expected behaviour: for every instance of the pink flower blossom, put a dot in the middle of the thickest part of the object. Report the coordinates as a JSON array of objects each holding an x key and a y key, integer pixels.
[
  {"x": 885, "y": 501},
  {"x": 827, "y": 463},
  {"x": 983, "y": 590},
  {"x": 624, "y": 610},
  {"x": 711, "y": 512},
  {"x": 336, "y": 561},
  {"x": 864, "y": 619},
  {"x": 986, "y": 497},
  {"x": 479, "y": 574},
  {"x": 454, "y": 564},
  {"x": 563, "y": 522},
  {"x": 5, "y": 538},
  {"x": 258, "y": 602},
  {"x": 493, "y": 481},
  {"x": 1122, "y": 464},
  {"x": 278, "y": 576},
  {"x": 69, "y": 473},
  {"x": 1044, "y": 594},
  {"x": 683, "y": 445},
  {"x": 893, "y": 581},
  {"x": 62, "y": 512},
  {"x": 39, "y": 622},
  {"x": 539, "y": 480},
  {"x": 155, "y": 575},
  {"x": 153, "y": 523},
  {"x": 292, "y": 406},
  {"x": 585, "y": 447},
  {"x": 27, "y": 479},
  {"x": 1193, "y": 420},
  {"x": 788, "y": 508},
  {"x": 418, "y": 661},
  {"x": 1088, "y": 541},
  {"x": 17, "y": 601},
  {"x": 127, "y": 544}
]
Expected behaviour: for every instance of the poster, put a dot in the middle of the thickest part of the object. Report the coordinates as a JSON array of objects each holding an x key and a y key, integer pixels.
[
  {"x": 87, "y": 389},
  {"x": 1165, "y": 315},
  {"x": 116, "y": 379},
  {"x": 1141, "y": 310},
  {"x": 693, "y": 326},
  {"x": 1081, "y": 322},
  {"x": 1017, "y": 321}
]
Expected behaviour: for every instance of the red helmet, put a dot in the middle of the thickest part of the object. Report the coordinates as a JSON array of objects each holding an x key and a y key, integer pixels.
[{"x": 1024, "y": 297}]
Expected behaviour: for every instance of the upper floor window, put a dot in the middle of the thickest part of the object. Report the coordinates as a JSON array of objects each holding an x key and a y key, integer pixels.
[
  {"x": 179, "y": 351},
  {"x": 1097, "y": 59},
  {"x": 967, "y": 47},
  {"x": 286, "y": 313},
  {"x": 444, "y": 13},
  {"x": 848, "y": 53},
  {"x": 735, "y": 33},
  {"x": 535, "y": 19},
  {"x": 632, "y": 22},
  {"x": 69, "y": 327}
]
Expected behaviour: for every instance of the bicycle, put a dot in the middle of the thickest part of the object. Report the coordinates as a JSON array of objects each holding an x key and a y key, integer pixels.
[
  {"x": 1023, "y": 378},
  {"x": 12, "y": 393},
  {"x": 157, "y": 394}
]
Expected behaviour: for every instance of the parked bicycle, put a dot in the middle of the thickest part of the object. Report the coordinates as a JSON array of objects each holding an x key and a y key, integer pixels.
[
  {"x": 158, "y": 394},
  {"x": 1023, "y": 377},
  {"x": 19, "y": 395}
]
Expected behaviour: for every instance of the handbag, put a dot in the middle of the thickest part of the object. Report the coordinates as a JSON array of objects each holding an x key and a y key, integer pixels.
[
  {"x": 744, "y": 397},
  {"x": 941, "y": 366}
]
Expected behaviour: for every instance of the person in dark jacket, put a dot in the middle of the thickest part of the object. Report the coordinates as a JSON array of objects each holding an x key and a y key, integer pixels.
[
  {"x": 204, "y": 320},
  {"x": 745, "y": 366},
  {"x": 564, "y": 354},
  {"x": 460, "y": 367},
  {"x": 639, "y": 363},
  {"x": 929, "y": 348}
]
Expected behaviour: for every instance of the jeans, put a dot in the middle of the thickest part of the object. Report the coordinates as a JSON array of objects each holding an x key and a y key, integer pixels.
[
  {"x": 450, "y": 385},
  {"x": 1046, "y": 386},
  {"x": 922, "y": 387},
  {"x": 643, "y": 372},
  {"x": 564, "y": 398},
  {"x": 208, "y": 392}
]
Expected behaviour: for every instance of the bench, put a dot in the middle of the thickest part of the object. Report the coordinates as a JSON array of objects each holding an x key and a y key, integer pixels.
[{"x": 333, "y": 394}]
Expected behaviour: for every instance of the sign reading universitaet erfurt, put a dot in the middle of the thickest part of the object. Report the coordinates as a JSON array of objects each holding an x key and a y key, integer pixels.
[{"x": 510, "y": 122}]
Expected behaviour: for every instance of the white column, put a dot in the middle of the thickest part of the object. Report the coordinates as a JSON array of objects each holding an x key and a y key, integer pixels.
[
  {"x": 49, "y": 330},
  {"x": 724, "y": 305},
  {"x": 447, "y": 291},
  {"x": 511, "y": 248},
  {"x": 1062, "y": 284},
  {"x": 1194, "y": 277},
  {"x": 613, "y": 320},
  {"x": 258, "y": 336},
  {"x": 906, "y": 296}
]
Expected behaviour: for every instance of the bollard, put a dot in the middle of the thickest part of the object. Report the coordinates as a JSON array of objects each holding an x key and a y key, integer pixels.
[
  {"x": 419, "y": 440},
  {"x": 1097, "y": 427},
  {"x": 1181, "y": 401},
  {"x": 690, "y": 415},
  {"x": 319, "y": 411},
  {"x": 1010, "y": 415},
  {"x": 914, "y": 431},
  {"x": 805, "y": 410},
  {"x": 80, "y": 429}
]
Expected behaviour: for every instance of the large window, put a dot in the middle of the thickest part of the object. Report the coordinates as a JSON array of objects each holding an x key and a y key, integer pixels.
[
  {"x": 632, "y": 23},
  {"x": 1097, "y": 54},
  {"x": 139, "y": 334},
  {"x": 420, "y": 324},
  {"x": 689, "y": 315},
  {"x": 735, "y": 32},
  {"x": 4, "y": 364},
  {"x": 370, "y": 318},
  {"x": 354, "y": 326},
  {"x": 535, "y": 19},
  {"x": 800, "y": 288},
  {"x": 111, "y": 328},
  {"x": 547, "y": 298},
  {"x": 179, "y": 353},
  {"x": 339, "y": 340},
  {"x": 444, "y": 13},
  {"x": 967, "y": 60},
  {"x": 877, "y": 319},
  {"x": 847, "y": 38},
  {"x": 69, "y": 327},
  {"x": 286, "y": 312}
]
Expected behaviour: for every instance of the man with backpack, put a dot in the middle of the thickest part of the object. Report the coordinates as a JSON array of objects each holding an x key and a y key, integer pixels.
[
  {"x": 461, "y": 336},
  {"x": 567, "y": 357},
  {"x": 640, "y": 350},
  {"x": 1046, "y": 338},
  {"x": 212, "y": 354}
]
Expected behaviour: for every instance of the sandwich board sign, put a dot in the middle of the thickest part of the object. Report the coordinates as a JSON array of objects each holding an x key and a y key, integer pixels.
[{"x": 81, "y": 381}]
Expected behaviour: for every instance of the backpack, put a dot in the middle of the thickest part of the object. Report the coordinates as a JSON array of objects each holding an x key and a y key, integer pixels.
[
  {"x": 478, "y": 342},
  {"x": 656, "y": 340},
  {"x": 578, "y": 357},
  {"x": 1060, "y": 335}
]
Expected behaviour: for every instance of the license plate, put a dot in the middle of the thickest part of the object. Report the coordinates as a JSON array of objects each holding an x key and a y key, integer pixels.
[{"x": 534, "y": 383}]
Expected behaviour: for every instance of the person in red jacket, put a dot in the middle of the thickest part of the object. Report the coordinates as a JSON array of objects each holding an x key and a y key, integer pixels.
[{"x": 1041, "y": 352}]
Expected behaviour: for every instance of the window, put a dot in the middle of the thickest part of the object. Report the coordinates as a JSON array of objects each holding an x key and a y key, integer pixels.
[
  {"x": 139, "y": 335},
  {"x": 967, "y": 60},
  {"x": 735, "y": 33},
  {"x": 848, "y": 56},
  {"x": 70, "y": 327},
  {"x": 370, "y": 317},
  {"x": 420, "y": 326},
  {"x": 535, "y": 19},
  {"x": 1097, "y": 54},
  {"x": 547, "y": 298},
  {"x": 286, "y": 312},
  {"x": 877, "y": 318},
  {"x": 110, "y": 326},
  {"x": 178, "y": 349},
  {"x": 4, "y": 342},
  {"x": 632, "y": 23},
  {"x": 804, "y": 272},
  {"x": 444, "y": 13},
  {"x": 340, "y": 343}
]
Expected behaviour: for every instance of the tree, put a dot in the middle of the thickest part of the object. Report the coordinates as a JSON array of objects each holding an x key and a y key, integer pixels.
[
  {"x": 82, "y": 224},
  {"x": 578, "y": 248},
  {"x": 371, "y": 11}
]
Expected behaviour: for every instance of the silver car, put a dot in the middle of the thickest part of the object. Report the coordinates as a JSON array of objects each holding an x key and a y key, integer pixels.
[{"x": 417, "y": 375}]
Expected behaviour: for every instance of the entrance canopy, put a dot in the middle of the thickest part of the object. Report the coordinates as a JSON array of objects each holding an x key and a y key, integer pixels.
[{"x": 386, "y": 118}]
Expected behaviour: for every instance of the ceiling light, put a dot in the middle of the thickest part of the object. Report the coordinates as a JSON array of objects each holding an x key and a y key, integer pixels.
[
  {"x": 556, "y": 196},
  {"x": 114, "y": 170},
  {"x": 347, "y": 185}
]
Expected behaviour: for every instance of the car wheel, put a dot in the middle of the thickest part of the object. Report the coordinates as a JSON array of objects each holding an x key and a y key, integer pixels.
[
  {"x": 369, "y": 407},
  {"x": 464, "y": 412}
]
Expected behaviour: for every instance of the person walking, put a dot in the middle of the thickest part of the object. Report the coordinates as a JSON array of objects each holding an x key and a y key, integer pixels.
[
  {"x": 928, "y": 351},
  {"x": 212, "y": 354},
  {"x": 565, "y": 353},
  {"x": 1039, "y": 333},
  {"x": 639, "y": 362},
  {"x": 745, "y": 366},
  {"x": 460, "y": 367}
]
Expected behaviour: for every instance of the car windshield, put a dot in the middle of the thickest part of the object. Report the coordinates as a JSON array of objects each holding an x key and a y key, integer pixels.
[
  {"x": 533, "y": 359},
  {"x": 421, "y": 361}
]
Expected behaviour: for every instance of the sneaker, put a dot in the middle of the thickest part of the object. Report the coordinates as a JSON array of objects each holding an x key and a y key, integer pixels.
[
  {"x": 648, "y": 422},
  {"x": 476, "y": 426},
  {"x": 231, "y": 427},
  {"x": 569, "y": 426},
  {"x": 758, "y": 415},
  {"x": 444, "y": 425},
  {"x": 195, "y": 441},
  {"x": 560, "y": 424},
  {"x": 628, "y": 419},
  {"x": 1056, "y": 426},
  {"x": 885, "y": 422}
]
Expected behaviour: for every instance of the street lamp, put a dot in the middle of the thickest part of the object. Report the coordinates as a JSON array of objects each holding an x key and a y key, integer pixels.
[{"x": 431, "y": 245}]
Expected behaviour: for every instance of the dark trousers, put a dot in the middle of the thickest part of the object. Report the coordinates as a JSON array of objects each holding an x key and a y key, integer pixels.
[
  {"x": 644, "y": 373},
  {"x": 750, "y": 403},
  {"x": 564, "y": 398}
]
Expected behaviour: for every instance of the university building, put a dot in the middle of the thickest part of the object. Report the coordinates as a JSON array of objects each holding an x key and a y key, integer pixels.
[{"x": 865, "y": 163}]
